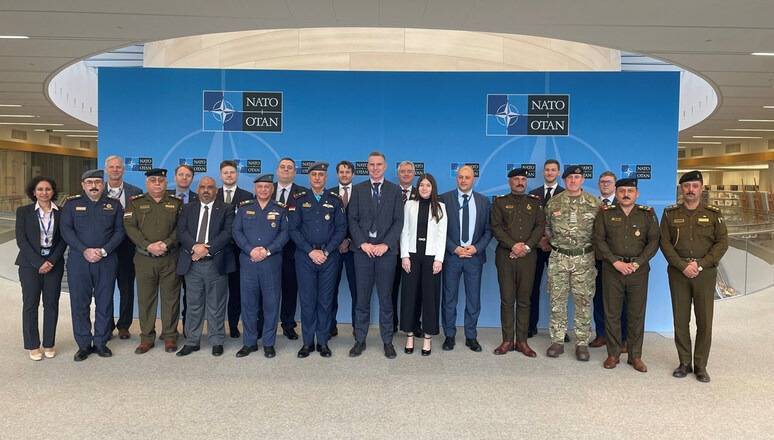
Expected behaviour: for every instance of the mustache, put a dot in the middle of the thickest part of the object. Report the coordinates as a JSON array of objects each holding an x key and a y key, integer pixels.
[{"x": 627, "y": 198}]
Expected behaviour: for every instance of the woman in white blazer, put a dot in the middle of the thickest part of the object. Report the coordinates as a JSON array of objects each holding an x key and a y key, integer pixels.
[{"x": 422, "y": 246}]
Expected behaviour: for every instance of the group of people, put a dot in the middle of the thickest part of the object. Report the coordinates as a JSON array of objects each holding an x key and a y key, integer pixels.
[{"x": 252, "y": 256}]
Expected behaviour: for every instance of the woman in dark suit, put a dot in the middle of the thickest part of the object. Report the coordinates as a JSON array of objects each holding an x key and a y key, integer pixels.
[{"x": 41, "y": 265}]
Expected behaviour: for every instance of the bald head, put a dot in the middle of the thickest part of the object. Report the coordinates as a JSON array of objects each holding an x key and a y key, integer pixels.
[
  {"x": 465, "y": 178},
  {"x": 207, "y": 189}
]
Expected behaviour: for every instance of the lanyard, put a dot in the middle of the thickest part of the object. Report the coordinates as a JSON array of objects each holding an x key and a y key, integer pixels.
[
  {"x": 120, "y": 192},
  {"x": 46, "y": 228}
]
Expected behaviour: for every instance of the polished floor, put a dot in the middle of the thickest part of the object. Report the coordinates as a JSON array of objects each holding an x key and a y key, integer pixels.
[{"x": 458, "y": 394}]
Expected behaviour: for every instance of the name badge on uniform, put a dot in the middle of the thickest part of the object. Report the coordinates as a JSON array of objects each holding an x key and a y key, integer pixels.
[
  {"x": 169, "y": 205},
  {"x": 107, "y": 207},
  {"x": 678, "y": 221},
  {"x": 510, "y": 206},
  {"x": 703, "y": 220},
  {"x": 250, "y": 213},
  {"x": 80, "y": 208},
  {"x": 128, "y": 214},
  {"x": 271, "y": 216},
  {"x": 616, "y": 219},
  {"x": 306, "y": 205},
  {"x": 144, "y": 206}
]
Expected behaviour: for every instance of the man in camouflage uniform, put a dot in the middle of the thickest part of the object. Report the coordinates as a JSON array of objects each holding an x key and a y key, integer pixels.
[
  {"x": 569, "y": 225},
  {"x": 693, "y": 240}
]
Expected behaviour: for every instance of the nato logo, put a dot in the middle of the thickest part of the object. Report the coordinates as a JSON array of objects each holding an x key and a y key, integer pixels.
[
  {"x": 527, "y": 115},
  {"x": 224, "y": 110},
  {"x": 138, "y": 163},
  {"x": 455, "y": 166},
  {"x": 635, "y": 171},
  {"x": 249, "y": 166},
  {"x": 529, "y": 167},
  {"x": 199, "y": 165}
]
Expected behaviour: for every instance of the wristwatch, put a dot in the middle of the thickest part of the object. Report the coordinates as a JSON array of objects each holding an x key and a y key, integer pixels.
[
  {"x": 325, "y": 252},
  {"x": 529, "y": 249},
  {"x": 103, "y": 252},
  {"x": 268, "y": 253},
  {"x": 635, "y": 265},
  {"x": 701, "y": 268}
]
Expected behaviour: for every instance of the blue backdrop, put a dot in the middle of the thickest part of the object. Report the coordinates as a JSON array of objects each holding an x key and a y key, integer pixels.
[{"x": 614, "y": 121}]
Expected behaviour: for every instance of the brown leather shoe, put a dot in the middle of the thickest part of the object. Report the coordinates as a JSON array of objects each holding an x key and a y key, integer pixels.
[
  {"x": 170, "y": 345},
  {"x": 555, "y": 350},
  {"x": 582, "y": 353},
  {"x": 611, "y": 362},
  {"x": 524, "y": 348},
  {"x": 123, "y": 333},
  {"x": 638, "y": 365},
  {"x": 504, "y": 348},
  {"x": 143, "y": 348},
  {"x": 599, "y": 341}
]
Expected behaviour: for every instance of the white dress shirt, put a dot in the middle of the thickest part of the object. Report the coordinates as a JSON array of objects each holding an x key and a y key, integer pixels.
[
  {"x": 287, "y": 189},
  {"x": 46, "y": 224},
  {"x": 472, "y": 215},
  {"x": 229, "y": 188},
  {"x": 209, "y": 220},
  {"x": 553, "y": 189}
]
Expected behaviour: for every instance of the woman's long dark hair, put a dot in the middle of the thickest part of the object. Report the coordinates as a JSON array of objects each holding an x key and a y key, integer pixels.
[{"x": 435, "y": 206}]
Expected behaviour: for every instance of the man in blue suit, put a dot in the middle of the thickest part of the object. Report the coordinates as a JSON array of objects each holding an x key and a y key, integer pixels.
[
  {"x": 205, "y": 259},
  {"x": 467, "y": 236},
  {"x": 375, "y": 216}
]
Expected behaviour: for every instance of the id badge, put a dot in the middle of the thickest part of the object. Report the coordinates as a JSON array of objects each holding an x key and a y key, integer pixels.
[{"x": 45, "y": 252}]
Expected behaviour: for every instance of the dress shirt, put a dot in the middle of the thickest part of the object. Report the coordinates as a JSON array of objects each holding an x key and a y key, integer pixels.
[
  {"x": 472, "y": 213},
  {"x": 46, "y": 224}
]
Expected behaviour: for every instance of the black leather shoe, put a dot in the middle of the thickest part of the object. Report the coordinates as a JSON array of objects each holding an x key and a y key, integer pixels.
[
  {"x": 473, "y": 345},
  {"x": 334, "y": 332},
  {"x": 566, "y": 338},
  {"x": 389, "y": 351},
  {"x": 681, "y": 371},
  {"x": 246, "y": 350},
  {"x": 304, "y": 351},
  {"x": 290, "y": 333},
  {"x": 531, "y": 332},
  {"x": 357, "y": 349},
  {"x": 702, "y": 375},
  {"x": 325, "y": 351},
  {"x": 269, "y": 352},
  {"x": 235, "y": 333},
  {"x": 81, "y": 355},
  {"x": 448, "y": 344},
  {"x": 217, "y": 350},
  {"x": 187, "y": 349},
  {"x": 103, "y": 352}
]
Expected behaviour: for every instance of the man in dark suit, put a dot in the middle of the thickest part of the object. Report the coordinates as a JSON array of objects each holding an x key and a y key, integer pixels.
[
  {"x": 184, "y": 175},
  {"x": 206, "y": 257},
  {"x": 548, "y": 189},
  {"x": 467, "y": 236},
  {"x": 345, "y": 170},
  {"x": 284, "y": 192},
  {"x": 122, "y": 191},
  {"x": 375, "y": 216},
  {"x": 231, "y": 194},
  {"x": 406, "y": 173}
]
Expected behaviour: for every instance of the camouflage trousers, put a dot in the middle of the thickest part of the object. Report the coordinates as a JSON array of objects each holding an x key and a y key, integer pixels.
[{"x": 576, "y": 274}]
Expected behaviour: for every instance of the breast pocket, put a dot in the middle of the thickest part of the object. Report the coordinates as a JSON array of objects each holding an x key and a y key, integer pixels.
[{"x": 705, "y": 230}]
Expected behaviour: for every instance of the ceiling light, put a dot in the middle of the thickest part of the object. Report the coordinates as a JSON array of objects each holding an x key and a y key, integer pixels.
[
  {"x": 756, "y": 120},
  {"x": 699, "y": 142},
  {"x": 763, "y": 54},
  {"x": 748, "y": 129},
  {"x": 14, "y": 37},
  {"x": 81, "y": 135},
  {"x": 10, "y": 105},
  {"x": 40, "y": 124},
  {"x": 73, "y": 131},
  {"x": 768, "y": 106},
  {"x": 727, "y": 137},
  {"x": 18, "y": 116}
]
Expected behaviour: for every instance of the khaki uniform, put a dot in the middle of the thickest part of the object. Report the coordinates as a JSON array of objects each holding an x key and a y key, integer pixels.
[
  {"x": 147, "y": 221},
  {"x": 693, "y": 235},
  {"x": 516, "y": 218},
  {"x": 631, "y": 238},
  {"x": 569, "y": 227}
]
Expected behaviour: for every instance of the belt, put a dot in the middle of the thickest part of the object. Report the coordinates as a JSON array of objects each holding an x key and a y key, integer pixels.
[
  {"x": 148, "y": 254},
  {"x": 626, "y": 259},
  {"x": 573, "y": 252},
  {"x": 203, "y": 259}
]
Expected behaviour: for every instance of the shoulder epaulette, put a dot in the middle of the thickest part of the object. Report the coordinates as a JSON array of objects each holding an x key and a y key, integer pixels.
[
  {"x": 281, "y": 205},
  {"x": 672, "y": 207},
  {"x": 73, "y": 197},
  {"x": 534, "y": 197},
  {"x": 173, "y": 195},
  {"x": 246, "y": 202},
  {"x": 299, "y": 194},
  {"x": 334, "y": 193},
  {"x": 606, "y": 207},
  {"x": 645, "y": 208},
  {"x": 713, "y": 208},
  {"x": 136, "y": 197}
]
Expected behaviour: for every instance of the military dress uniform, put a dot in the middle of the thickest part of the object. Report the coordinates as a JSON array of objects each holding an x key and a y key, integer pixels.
[
  {"x": 569, "y": 225},
  {"x": 693, "y": 235},
  {"x": 148, "y": 221},
  {"x": 318, "y": 223},
  {"x": 516, "y": 218},
  {"x": 261, "y": 282},
  {"x": 631, "y": 238},
  {"x": 87, "y": 224}
]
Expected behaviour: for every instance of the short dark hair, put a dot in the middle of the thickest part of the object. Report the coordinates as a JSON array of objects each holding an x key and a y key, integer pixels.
[
  {"x": 287, "y": 158},
  {"x": 606, "y": 174},
  {"x": 185, "y": 165},
  {"x": 551, "y": 161},
  {"x": 345, "y": 163},
  {"x": 30, "y": 190},
  {"x": 229, "y": 163},
  {"x": 377, "y": 153}
]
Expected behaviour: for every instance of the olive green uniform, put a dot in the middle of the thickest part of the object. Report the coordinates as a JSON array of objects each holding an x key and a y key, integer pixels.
[
  {"x": 516, "y": 218},
  {"x": 147, "y": 221},
  {"x": 631, "y": 238},
  {"x": 693, "y": 235}
]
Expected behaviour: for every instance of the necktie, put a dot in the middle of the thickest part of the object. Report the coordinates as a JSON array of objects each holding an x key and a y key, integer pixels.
[
  {"x": 606, "y": 202},
  {"x": 465, "y": 219},
  {"x": 183, "y": 197},
  {"x": 548, "y": 195},
  {"x": 405, "y": 195},
  {"x": 282, "y": 196},
  {"x": 228, "y": 196},
  {"x": 345, "y": 197},
  {"x": 375, "y": 192},
  {"x": 200, "y": 237}
]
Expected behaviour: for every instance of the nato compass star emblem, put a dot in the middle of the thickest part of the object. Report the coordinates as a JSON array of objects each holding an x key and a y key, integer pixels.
[
  {"x": 223, "y": 111},
  {"x": 507, "y": 115}
]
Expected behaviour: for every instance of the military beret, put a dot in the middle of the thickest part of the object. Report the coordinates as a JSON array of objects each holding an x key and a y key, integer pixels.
[
  {"x": 93, "y": 174},
  {"x": 572, "y": 169},
  {"x": 264, "y": 178},
  {"x": 156, "y": 172},
  {"x": 690, "y": 176},
  {"x": 626, "y": 182},
  {"x": 318, "y": 166},
  {"x": 517, "y": 172}
]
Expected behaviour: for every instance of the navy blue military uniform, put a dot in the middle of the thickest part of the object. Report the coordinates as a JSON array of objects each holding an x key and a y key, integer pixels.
[
  {"x": 260, "y": 281},
  {"x": 317, "y": 223},
  {"x": 88, "y": 224}
]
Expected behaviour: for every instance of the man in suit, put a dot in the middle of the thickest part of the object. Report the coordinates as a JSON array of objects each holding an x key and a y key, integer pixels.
[
  {"x": 548, "y": 189},
  {"x": 408, "y": 191},
  {"x": 467, "y": 236},
  {"x": 233, "y": 195},
  {"x": 184, "y": 175},
  {"x": 122, "y": 191},
  {"x": 345, "y": 170},
  {"x": 205, "y": 259},
  {"x": 284, "y": 192},
  {"x": 606, "y": 183},
  {"x": 375, "y": 217}
]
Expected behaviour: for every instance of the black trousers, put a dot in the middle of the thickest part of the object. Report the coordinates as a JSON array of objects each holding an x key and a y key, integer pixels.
[
  {"x": 234, "y": 298},
  {"x": 398, "y": 315},
  {"x": 346, "y": 262},
  {"x": 379, "y": 272},
  {"x": 125, "y": 281},
  {"x": 421, "y": 296},
  {"x": 534, "y": 299},
  {"x": 289, "y": 287},
  {"x": 35, "y": 285}
]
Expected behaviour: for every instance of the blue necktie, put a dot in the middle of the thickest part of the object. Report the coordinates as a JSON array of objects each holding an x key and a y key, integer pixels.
[
  {"x": 375, "y": 192},
  {"x": 465, "y": 218}
]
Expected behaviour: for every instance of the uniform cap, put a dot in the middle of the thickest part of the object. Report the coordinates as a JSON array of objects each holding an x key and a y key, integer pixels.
[
  {"x": 691, "y": 176},
  {"x": 93, "y": 174},
  {"x": 156, "y": 172},
  {"x": 626, "y": 182},
  {"x": 264, "y": 178},
  {"x": 517, "y": 172},
  {"x": 318, "y": 166},
  {"x": 572, "y": 169}
]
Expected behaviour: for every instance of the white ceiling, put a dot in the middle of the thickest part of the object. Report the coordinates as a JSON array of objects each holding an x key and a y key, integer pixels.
[{"x": 710, "y": 37}]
